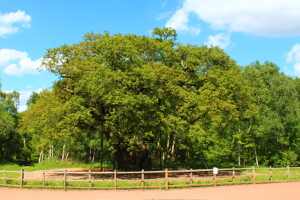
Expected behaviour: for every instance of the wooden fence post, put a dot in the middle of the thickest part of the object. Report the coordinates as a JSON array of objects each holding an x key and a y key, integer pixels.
[
  {"x": 90, "y": 183},
  {"x": 271, "y": 173},
  {"x": 65, "y": 179},
  {"x": 191, "y": 177},
  {"x": 115, "y": 179},
  {"x": 288, "y": 173},
  {"x": 143, "y": 178},
  {"x": 167, "y": 179},
  {"x": 253, "y": 175},
  {"x": 43, "y": 178},
  {"x": 215, "y": 180},
  {"x": 22, "y": 178},
  {"x": 233, "y": 174},
  {"x": 5, "y": 177}
]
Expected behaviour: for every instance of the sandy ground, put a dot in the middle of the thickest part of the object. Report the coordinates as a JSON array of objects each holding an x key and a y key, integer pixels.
[{"x": 275, "y": 191}]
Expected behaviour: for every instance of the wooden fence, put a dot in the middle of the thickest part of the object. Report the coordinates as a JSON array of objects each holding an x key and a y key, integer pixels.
[{"x": 164, "y": 179}]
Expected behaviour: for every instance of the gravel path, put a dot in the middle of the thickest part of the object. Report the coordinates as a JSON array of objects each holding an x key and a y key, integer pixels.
[{"x": 275, "y": 191}]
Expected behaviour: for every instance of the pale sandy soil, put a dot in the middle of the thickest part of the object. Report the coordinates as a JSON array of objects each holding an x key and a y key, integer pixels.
[{"x": 275, "y": 191}]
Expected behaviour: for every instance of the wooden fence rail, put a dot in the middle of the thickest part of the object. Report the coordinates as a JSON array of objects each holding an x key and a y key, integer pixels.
[{"x": 163, "y": 179}]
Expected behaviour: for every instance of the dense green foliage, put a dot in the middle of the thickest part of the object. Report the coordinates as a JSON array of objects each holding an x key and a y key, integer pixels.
[
  {"x": 10, "y": 140},
  {"x": 136, "y": 101}
]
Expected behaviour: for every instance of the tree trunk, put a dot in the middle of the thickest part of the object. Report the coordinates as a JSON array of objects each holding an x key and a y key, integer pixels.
[
  {"x": 41, "y": 157},
  {"x": 63, "y": 153},
  {"x": 133, "y": 161}
]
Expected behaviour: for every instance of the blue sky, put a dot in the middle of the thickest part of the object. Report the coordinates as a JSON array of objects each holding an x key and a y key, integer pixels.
[{"x": 264, "y": 30}]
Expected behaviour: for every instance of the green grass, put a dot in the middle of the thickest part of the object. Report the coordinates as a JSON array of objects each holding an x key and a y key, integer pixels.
[
  {"x": 127, "y": 184},
  {"x": 13, "y": 182},
  {"x": 274, "y": 171},
  {"x": 54, "y": 183},
  {"x": 179, "y": 182},
  {"x": 11, "y": 167},
  {"x": 103, "y": 184},
  {"x": 52, "y": 164},
  {"x": 10, "y": 174},
  {"x": 203, "y": 182},
  {"x": 77, "y": 184},
  {"x": 35, "y": 183},
  {"x": 57, "y": 164},
  {"x": 162, "y": 183},
  {"x": 243, "y": 179},
  {"x": 295, "y": 177}
]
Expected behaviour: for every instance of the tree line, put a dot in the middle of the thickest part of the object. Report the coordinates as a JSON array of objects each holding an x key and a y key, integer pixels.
[{"x": 142, "y": 101}]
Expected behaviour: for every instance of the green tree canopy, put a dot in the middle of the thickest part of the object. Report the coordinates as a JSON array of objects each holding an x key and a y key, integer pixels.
[
  {"x": 9, "y": 139},
  {"x": 146, "y": 97}
]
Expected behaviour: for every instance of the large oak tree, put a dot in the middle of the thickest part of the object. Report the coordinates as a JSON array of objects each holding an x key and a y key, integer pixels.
[{"x": 144, "y": 96}]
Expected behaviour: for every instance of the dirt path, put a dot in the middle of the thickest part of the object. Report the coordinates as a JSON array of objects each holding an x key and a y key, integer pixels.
[{"x": 276, "y": 191}]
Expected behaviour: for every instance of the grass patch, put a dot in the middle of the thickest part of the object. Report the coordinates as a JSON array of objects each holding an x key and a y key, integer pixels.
[
  {"x": 52, "y": 164},
  {"x": 264, "y": 178},
  {"x": 224, "y": 181},
  {"x": 295, "y": 177},
  {"x": 77, "y": 184},
  {"x": 10, "y": 174},
  {"x": 274, "y": 171},
  {"x": 295, "y": 171},
  {"x": 11, "y": 167},
  {"x": 13, "y": 182},
  {"x": 54, "y": 183},
  {"x": 34, "y": 183},
  {"x": 127, "y": 184},
  {"x": 162, "y": 183},
  {"x": 103, "y": 184},
  {"x": 203, "y": 182},
  {"x": 179, "y": 182},
  {"x": 57, "y": 164}
]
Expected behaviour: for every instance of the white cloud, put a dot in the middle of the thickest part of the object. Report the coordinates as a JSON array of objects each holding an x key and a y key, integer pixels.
[
  {"x": 163, "y": 16},
  {"x": 164, "y": 4},
  {"x": 8, "y": 55},
  {"x": 258, "y": 17},
  {"x": 180, "y": 19},
  {"x": 293, "y": 56},
  {"x": 221, "y": 40},
  {"x": 24, "y": 96},
  {"x": 22, "y": 108},
  {"x": 18, "y": 63},
  {"x": 11, "y": 22}
]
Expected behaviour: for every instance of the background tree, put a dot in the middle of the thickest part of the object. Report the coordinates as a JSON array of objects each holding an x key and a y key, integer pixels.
[
  {"x": 10, "y": 141},
  {"x": 274, "y": 131}
]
